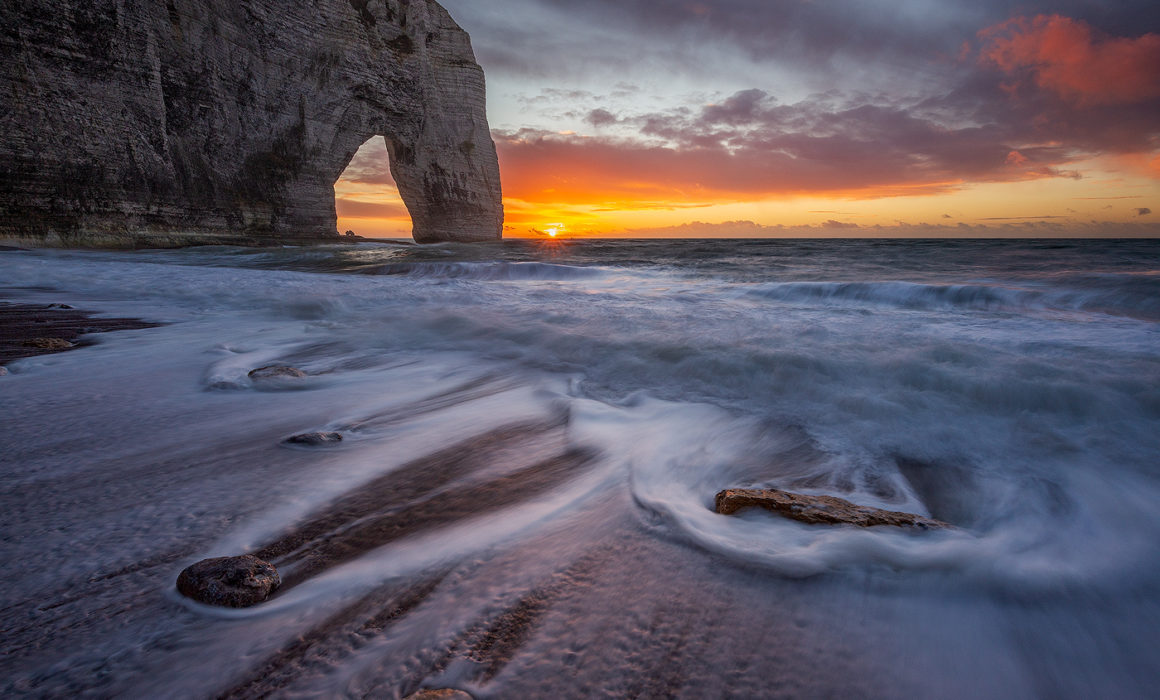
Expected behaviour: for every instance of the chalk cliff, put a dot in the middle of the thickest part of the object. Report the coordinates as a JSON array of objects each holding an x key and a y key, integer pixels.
[{"x": 144, "y": 120}]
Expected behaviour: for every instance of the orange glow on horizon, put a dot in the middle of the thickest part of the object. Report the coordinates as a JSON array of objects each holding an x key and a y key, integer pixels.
[{"x": 562, "y": 185}]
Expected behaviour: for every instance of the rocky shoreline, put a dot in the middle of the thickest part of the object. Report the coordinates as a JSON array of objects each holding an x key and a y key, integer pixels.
[
  {"x": 146, "y": 241},
  {"x": 28, "y": 330}
]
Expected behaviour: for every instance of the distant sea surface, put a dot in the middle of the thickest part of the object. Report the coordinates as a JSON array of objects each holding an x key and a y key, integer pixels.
[{"x": 533, "y": 435}]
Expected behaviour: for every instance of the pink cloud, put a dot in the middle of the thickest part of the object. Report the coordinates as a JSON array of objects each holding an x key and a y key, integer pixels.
[{"x": 1070, "y": 58}]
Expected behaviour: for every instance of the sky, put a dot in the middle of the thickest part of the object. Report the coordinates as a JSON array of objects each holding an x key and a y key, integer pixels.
[{"x": 768, "y": 118}]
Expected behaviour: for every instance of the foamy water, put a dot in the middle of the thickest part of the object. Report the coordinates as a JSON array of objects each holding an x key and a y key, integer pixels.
[{"x": 1010, "y": 388}]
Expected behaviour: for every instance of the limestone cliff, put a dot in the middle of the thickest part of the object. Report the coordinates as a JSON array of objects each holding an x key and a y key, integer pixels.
[{"x": 142, "y": 119}]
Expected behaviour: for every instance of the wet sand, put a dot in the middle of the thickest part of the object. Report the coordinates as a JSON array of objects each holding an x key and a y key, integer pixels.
[
  {"x": 601, "y": 604},
  {"x": 22, "y": 326}
]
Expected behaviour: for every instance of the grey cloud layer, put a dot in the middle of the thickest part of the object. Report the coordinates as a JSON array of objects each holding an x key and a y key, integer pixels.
[
  {"x": 905, "y": 37},
  {"x": 886, "y": 94}
]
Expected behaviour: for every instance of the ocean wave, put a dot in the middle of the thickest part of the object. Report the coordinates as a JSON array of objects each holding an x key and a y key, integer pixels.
[
  {"x": 489, "y": 271},
  {"x": 1116, "y": 300}
]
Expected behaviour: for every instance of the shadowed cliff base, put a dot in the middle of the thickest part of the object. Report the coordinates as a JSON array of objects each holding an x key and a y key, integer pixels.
[
  {"x": 136, "y": 240},
  {"x": 142, "y": 124}
]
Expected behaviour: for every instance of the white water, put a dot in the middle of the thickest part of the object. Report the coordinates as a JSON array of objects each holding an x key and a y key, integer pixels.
[{"x": 1024, "y": 408}]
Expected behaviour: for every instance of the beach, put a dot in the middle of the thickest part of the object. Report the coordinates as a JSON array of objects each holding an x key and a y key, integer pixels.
[{"x": 532, "y": 436}]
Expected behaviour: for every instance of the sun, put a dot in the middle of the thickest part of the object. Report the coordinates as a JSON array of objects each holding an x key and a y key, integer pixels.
[{"x": 554, "y": 230}]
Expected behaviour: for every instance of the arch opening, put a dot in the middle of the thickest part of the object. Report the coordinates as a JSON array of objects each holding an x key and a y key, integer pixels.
[{"x": 366, "y": 198}]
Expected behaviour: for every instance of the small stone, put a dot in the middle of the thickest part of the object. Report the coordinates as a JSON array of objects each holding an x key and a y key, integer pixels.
[
  {"x": 233, "y": 582},
  {"x": 819, "y": 509},
  {"x": 277, "y": 372},
  {"x": 439, "y": 694},
  {"x": 3, "y": 371},
  {"x": 315, "y": 439},
  {"x": 48, "y": 344}
]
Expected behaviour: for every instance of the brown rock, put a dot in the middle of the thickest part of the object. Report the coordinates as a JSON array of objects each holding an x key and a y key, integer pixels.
[
  {"x": 28, "y": 330},
  {"x": 234, "y": 582},
  {"x": 48, "y": 344},
  {"x": 439, "y": 694},
  {"x": 277, "y": 372},
  {"x": 818, "y": 509},
  {"x": 315, "y": 439}
]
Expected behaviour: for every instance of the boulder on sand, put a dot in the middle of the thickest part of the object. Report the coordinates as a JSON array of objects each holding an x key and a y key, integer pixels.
[
  {"x": 234, "y": 582},
  {"x": 48, "y": 344},
  {"x": 819, "y": 509}
]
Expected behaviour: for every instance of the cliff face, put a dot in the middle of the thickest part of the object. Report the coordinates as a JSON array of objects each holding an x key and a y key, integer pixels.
[{"x": 140, "y": 118}]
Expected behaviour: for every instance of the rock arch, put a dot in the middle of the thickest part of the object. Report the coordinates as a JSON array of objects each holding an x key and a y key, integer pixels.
[{"x": 233, "y": 118}]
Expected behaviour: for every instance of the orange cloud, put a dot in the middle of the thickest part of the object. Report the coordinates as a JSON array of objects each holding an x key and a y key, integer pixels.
[
  {"x": 1069, "y": 58},
  {"x": 627, "y": 176}
]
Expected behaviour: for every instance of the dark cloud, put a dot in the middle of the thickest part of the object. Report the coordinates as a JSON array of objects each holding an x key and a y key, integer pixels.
[
  {"x": 834, "y": 38},
  {"x": 956, "y": 63},
  {"x": 557, "y": 96},
  {"x": 918, "y": 97},
  {"x": 1143, "y": 211},
  {"x": 750, "y": 145},
  {"x": 750, "y": 142},
  {"x": 601, "y": 117},
  {"x": 745, "y": 107}
]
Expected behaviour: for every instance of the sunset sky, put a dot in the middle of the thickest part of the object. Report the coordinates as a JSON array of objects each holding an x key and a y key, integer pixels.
[{"x": 810, "y": 118}]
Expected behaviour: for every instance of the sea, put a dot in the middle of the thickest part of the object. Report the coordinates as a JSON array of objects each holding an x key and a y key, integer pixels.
[{"x": 534, "y": 432}]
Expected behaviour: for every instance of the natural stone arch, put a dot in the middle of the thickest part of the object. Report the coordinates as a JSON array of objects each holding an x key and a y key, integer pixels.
[{"x": 235, "y": 117}]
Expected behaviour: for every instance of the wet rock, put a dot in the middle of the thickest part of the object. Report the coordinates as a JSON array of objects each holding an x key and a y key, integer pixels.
[
  {"x": 48, "y": 344},
  {"x": 61, "y": 307},
  {"x": 439, "y": 694},
  {"x": 3, "y": 371},
  {"x": 234, "y": 582},
  {"x": 277, "y": 372},
  {"x": 315, "y": 439},
  {"x": 827, "y": 510},
  {"x": 28, "y": 330}
]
